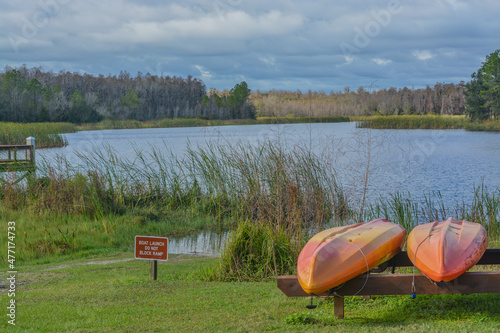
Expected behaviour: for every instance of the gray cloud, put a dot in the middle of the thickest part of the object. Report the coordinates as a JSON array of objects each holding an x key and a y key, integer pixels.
[{"x": 286, "y": 44}]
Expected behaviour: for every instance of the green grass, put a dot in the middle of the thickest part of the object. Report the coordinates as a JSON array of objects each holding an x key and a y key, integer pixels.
[
  {"x": 483, "y": 208},
  {"x": 302, "y": 120},
  {"x": 52, "y": 237},
  {"x": 201, "y": 122},
  {"x": 412, "y": 122},
  {"x": 46, "y": 134},
  {"x": 256, "y": 252},
  {"x": 489, "y": 125},
  {"x": 425, "y": 122},
  {"x": 114, "y": 294}
]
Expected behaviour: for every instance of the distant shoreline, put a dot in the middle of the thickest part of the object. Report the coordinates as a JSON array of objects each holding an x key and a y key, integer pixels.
[{"x": 48, "y": 135}]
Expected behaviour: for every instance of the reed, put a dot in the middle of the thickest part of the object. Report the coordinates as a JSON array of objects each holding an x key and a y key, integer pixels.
[
  {"x": 302, "y": 120},
  {"x": 47, "y": 134},
  {"x": 488, "y": 125},
  {"x": 202, "y": 122},
  {"x": 111, "y": 124},
  {"x": 483, "y": 208},
  {"x": 256, "y": 252},
  {"x": 398, "y": 208},
  {"x": 412, "y": 122}
]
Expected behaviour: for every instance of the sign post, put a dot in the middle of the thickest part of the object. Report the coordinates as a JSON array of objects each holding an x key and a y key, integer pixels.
[{"x": 151, "y": 248}]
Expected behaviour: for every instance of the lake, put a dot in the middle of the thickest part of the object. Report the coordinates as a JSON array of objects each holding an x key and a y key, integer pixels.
[{"x": 415, "y": 161}]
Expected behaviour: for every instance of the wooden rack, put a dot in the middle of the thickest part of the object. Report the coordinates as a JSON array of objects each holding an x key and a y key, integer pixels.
[{"x": 379, "y": 283}]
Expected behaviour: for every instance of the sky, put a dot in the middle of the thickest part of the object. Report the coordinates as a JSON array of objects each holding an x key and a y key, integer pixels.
[{"x": 271, "y": 44}]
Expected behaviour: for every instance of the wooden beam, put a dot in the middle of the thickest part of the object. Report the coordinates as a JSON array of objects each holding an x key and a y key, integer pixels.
[
  {"x": 401, "y": 284},
  {"x": 338, "y": 307},
  {"x": 15, "y": 147},
  {"x": 15, "y": 163}
]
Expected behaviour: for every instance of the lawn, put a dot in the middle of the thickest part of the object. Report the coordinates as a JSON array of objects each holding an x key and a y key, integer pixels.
[{"x": 114, "y": 294}]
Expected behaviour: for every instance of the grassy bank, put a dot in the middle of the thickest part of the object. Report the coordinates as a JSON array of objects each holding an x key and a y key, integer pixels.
[
  {"x": 425, "y": 122},
  {"x": 49, "y": 134},
  {"x": 200, "y": 122},
  {"x": 218, "y": 186},
  {"x": 412, "y": 122},
  {"x": 271, "y": 189},
  {"x": 377, "y": 122},
  {"x": 114, "y": 294},
  {"x": 487, "y": 126},
  {"x": 46, "y": 134},
  {"x": 53, "y": 237}
]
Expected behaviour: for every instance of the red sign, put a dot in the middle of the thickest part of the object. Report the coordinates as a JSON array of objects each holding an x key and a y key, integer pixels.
[{"x": 149, "y": 247}]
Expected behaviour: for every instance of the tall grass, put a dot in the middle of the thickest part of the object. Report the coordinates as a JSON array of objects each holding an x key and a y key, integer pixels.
[
  {"x": 285, "y": 189},
  {"x": 46, "y": 134},
  {"x": 483, "y": 208},
  {"x": 413, "y": 122},
  {"x": 425, "y": 122},
  {"x": 302, "y": 120},
  {"x": 290, "y": 188},
  {"x": 276, "y": 193},
  {"x": 256, "y": 252},
  {"x": 202, "y": 122},
  {"x": 488, "y": 125}
]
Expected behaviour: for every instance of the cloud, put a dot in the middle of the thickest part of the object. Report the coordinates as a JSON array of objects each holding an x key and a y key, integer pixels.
[
  {"x": 423, "y": 54},
  {"x": 288, "y": 44},
  {"x": 271, "y": 61},
  {"x": 204, "y": 73},
  {"x": 381, "y": 62}
]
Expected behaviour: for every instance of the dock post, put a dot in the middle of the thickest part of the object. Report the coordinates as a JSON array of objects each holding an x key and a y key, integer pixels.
[{"x": 30, "y": 154}]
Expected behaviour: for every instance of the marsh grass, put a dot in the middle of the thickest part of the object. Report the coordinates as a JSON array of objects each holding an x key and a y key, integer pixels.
[
  {"x": 302, "y": 120},
  {"x": 286, "y": 189},
  {"x": 425, "y": 122},
  {"x": 488, "y": 125},
  {"x": 46, "y": 134},
  {"x": 256, "y": 252},
  {"x": 483, "y": 208},
  {"x": 412, "y": 122},
  {"x": 275, "y": 193},
  {"x": 203, "y": 122}
]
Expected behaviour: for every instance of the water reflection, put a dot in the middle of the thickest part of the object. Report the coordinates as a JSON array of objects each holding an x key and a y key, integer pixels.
[{"x": 206, "y": 243}]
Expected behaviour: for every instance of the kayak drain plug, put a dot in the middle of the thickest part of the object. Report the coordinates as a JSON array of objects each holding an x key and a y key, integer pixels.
[{"x": 311, "y": 306}]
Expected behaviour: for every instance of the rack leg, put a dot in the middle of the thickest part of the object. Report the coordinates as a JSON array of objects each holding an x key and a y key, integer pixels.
[{"x": 338, "y": 307}]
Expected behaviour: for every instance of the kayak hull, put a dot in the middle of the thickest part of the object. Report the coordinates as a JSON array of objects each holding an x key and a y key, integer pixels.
[
  {"x": 339, "y": 254},
  {"x": 444, "y": 250}
]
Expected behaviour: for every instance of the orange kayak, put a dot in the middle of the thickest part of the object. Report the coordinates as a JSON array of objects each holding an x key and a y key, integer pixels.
[
  {"x": 444, "y": 250},
  {"x": 337, "y": 255}
]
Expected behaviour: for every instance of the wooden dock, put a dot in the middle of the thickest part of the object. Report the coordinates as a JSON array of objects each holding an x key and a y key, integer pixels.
[
  {"x": 18, "y": 158},
  {"x": 379, "y": 283}
]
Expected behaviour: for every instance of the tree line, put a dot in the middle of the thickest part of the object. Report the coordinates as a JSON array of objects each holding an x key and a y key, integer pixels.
[
  {"x": 32, "y": 94},
  {"x": 443, "y": 98}
]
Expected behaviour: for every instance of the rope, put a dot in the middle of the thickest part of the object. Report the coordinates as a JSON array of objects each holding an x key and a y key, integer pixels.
[{"x": 334, "y": 290}]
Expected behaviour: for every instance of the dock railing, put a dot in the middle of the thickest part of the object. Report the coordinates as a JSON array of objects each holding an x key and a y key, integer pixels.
[{"x": 18, "y": 158}]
